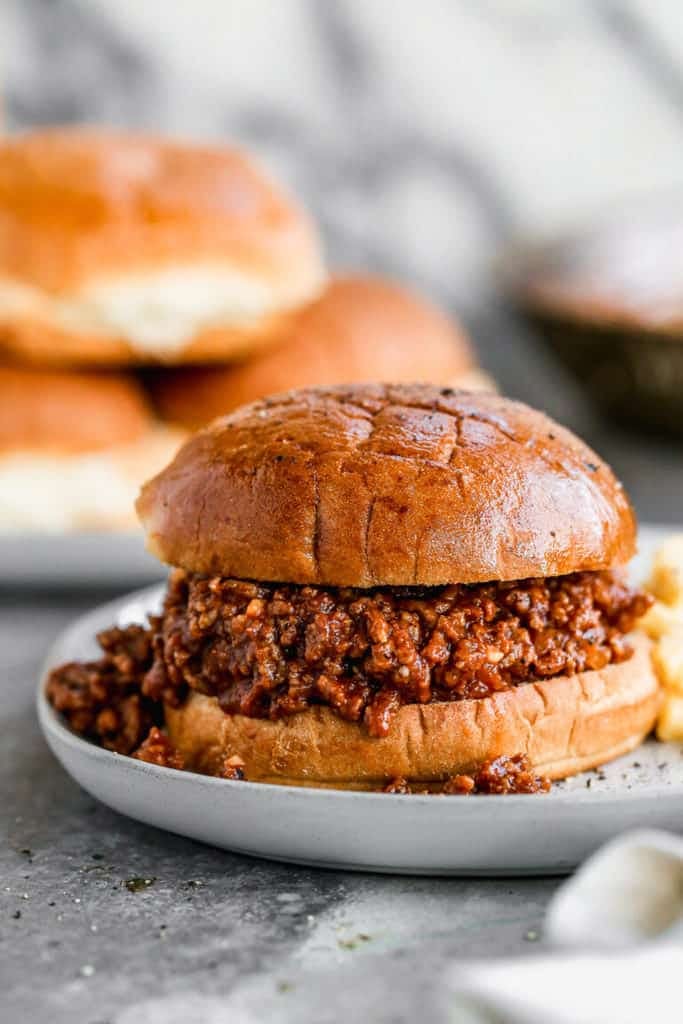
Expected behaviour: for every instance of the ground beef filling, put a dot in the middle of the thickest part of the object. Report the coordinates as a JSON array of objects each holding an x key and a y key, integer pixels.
[
  {"x": 104, "y": 699},
  {"x": 270, "y": 650},
  {"x": 500, "y": 776},
  {"x": 157, "y": 749}
]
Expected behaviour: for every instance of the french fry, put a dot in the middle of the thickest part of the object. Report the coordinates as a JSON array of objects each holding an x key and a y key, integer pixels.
[
  {"x": 661, "y": 619},
  {"x": 666, "y": 582},
  {"x": 663, "y": 623},
  {"x": 668, "y": 659},
  {"x": 670, "y": 722}
]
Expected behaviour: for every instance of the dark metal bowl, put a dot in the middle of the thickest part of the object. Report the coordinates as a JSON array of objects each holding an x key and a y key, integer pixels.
[{"x": 609, "y": 301}]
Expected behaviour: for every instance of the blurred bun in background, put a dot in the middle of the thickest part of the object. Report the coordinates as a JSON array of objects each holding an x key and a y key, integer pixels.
[
  {"x": 148, "y": 286},
  {"x": 362, "y": 328},
  {"x": 119, "y": 248},
  {"x": 74, "y": 448}
]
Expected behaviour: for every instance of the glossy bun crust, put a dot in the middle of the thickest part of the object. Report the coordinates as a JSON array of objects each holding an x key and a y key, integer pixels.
[
  {"x": 387, "y": 485},
  {"x": 564, "y": 725},
  {"x": 361, "y": 328}
]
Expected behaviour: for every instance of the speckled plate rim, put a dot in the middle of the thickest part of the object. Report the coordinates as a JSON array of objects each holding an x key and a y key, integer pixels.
[{"x": 115, "y": 779}]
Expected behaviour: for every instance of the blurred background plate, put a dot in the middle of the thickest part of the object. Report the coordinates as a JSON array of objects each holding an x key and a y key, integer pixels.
[
  {"x": 608, "y": 299},
  {"x": 112, "y": 560},
  {"x": 76, "y": 559}
]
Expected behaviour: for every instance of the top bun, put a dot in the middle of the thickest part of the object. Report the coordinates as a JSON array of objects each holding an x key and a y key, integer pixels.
[
  {"x": 118, "y": 248},
  {"x": 387, "y": 485},
  {"x": 49, "y": 411},
  {"x": 361, "y": 328}
]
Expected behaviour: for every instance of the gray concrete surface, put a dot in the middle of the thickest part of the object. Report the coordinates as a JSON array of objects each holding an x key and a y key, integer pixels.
[{"x": 215, "y": 937}]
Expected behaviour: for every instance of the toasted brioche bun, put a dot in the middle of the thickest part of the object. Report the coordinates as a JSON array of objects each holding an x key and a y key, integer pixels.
[
  {"x": 118, "y": 248},
  {"x": 387, "y": 485},
  {"x": 74, "y": 448},
  {"x": 361, "y": 328},
  {"x": 564, "y": 725}
]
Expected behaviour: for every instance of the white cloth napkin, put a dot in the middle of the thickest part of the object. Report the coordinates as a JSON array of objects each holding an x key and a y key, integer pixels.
[{"x": 616, "y": 928}]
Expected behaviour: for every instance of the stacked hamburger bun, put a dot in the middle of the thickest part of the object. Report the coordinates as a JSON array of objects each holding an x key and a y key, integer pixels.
[
  {"x": 118, "y": 249},
  {"x": 74, "y": 448},
  {"x": 147, "y": 286},
  {"x": 116, "y": 252}
]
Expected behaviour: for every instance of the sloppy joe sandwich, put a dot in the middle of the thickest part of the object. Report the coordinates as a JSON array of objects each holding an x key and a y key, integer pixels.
[
  {"x": 74, "y": 449},
  {"x": 361, "y": 328},
  {"x": 378, "y": 586},
  {"x": 118, "y": 248}
]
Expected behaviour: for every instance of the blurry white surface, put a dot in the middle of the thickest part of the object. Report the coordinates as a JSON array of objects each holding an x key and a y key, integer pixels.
[
  {"x": 623, "y": 915},
  {"x": 630, "y": 988},
  {"x": 76, "y": 559},
  {"x": 630, "y": 891},
  {"x": 369, "y": 831}
]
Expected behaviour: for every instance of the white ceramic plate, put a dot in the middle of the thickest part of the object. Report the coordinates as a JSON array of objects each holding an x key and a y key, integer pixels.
[
  {"x": 77, "y": 559},
  {"x": 483, "y": 835}
]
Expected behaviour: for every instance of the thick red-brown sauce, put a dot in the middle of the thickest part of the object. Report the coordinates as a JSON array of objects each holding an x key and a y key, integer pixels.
[
  {"x": 271, "y": 650},
  {"x": 500, "y": 776}
]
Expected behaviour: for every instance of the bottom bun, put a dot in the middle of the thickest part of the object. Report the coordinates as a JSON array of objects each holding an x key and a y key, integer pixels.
[
  {"x": 564, "y": 725},
  {"x": 94, "y": 490},
  {"x": 39, "y": 341}
]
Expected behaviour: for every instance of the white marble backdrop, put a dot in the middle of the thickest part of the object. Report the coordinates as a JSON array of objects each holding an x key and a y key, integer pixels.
[{"x": 424, "y": 133}]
